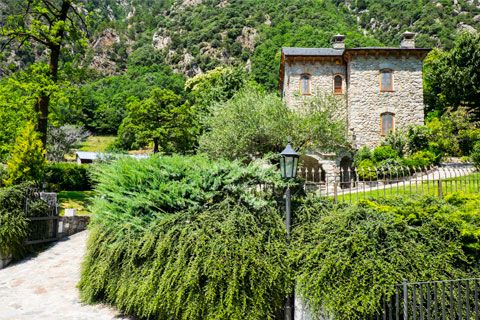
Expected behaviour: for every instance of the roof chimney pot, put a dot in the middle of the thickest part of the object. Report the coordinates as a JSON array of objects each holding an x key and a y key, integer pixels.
[
  {"x": 408, "y": 40},
  {"x": 338, "y": 41}
]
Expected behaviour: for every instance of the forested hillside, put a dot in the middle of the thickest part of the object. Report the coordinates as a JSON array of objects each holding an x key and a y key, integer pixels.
[
  {"x": 194, "y": 36},
  {"x": 115, "y": 53}
]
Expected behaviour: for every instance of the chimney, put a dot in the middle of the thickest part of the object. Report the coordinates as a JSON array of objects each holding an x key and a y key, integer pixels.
[
  {"x": 338, "y": 41},
  {"x": 408, "y": 40}
]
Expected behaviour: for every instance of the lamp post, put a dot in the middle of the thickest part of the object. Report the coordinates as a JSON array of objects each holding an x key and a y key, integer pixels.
[{"x": 288, "y": 168}]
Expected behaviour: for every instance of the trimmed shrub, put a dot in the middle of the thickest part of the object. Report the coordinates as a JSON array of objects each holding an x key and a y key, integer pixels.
[
  {"x": 475, "y": 155},
  {"x": 383, "y": 153},
  {"x": 65, "y": 176},
  {"x": 186, "y": 238},
  {"x": 349, "y": 257}
]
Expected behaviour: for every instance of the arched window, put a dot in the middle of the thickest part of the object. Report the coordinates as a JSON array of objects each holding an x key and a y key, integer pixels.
[
  {"x": 387, "y": 123},
  {"x": 337, "y": 84},
  {"x": 386, "y": 80},
  {"x": 305, "y": 84}
]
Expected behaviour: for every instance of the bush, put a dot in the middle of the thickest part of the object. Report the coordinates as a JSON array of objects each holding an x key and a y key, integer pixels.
[
  {"x": 27, "y": 158},
  {"x": 396, "y": 140},
  {"x": 383, "y": 153},
  {"x": 475, "y": 155},
  {"x": 194, "y": 239},
  {"x": 349, "y": 257},
  {"x": 67, "y": 177},
  {"x": 362, "y": 154},
  {"x": 366, "y": 170},
  {"x": 420, "y": 159},
  {"x": 418, "y": 138},
  {"x": 13, "y": 219}
]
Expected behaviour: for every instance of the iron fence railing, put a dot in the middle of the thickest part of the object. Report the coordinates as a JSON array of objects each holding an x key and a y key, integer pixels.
[
  {"x": 435, "y": 300},
  {"x": 352, "y": 184}
]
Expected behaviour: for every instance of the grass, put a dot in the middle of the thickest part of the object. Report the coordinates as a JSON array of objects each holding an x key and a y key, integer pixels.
[
  {"x": 79, "y": 200},
  {"x": 97, "y": 143},
  {"x": 465, "y": 184}
]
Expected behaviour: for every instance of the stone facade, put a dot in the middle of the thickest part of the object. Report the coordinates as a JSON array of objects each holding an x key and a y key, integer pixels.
[
  {"x": 321, "y": 82},
  {"x": 366, "y": 103},
  {"x": 361, "y": 102}
]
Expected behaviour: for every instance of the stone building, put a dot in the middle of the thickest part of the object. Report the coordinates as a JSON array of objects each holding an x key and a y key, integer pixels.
[{"x": 379, "y": 89}]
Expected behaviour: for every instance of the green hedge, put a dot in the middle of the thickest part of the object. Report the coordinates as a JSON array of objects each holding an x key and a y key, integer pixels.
[
  {"x": 68, "y": 177},
  {"x": 186, "y": 238},
  {"x": 348, "y": 257}
]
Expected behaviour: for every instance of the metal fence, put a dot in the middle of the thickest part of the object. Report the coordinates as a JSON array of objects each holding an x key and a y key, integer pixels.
[
  {"x": 353, "y": 184},
  {"x": 42, "y": 229},
  {"x": 439, "y": 300}
]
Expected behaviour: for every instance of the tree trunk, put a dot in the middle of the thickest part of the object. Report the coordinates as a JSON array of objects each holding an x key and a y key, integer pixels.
[
  {"x": 155, "y": 146},
  {"x": 44, "y": 100},
  {"x": 41, "y": 107}
]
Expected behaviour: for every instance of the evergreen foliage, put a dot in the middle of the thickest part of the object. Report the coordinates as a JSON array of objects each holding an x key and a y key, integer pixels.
[
  {"x": 349, "y": 257},
  {"x": 194, "y": 239},
  {"x": 13, "y": 219},
  {"x": 27, "y": 159}
]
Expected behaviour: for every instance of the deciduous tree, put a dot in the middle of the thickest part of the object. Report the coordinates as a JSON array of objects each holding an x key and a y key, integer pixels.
[
  {"x": 163, "y": 119},
  {"x": 48, "y": 23}
]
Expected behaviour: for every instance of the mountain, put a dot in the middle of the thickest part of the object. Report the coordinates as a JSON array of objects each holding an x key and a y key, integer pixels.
[{"x": 193, "y": 36}]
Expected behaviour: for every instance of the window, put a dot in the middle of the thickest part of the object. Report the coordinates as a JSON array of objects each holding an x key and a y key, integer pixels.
[
  {"x": 386, "y": 80},
  {"x": 338, "y": 84},
  {"x": 387, "y": 123},
  {"x": 305, "y": 84}
]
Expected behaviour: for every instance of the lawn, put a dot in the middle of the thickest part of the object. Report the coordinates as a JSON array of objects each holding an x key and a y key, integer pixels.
[
  {"x": 465, "y": 184},
  {"x": 97, "y": 143},
  {"x": 75, "y": 200}
]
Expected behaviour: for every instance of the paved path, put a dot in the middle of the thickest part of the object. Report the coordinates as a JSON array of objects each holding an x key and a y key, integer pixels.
[{"x": 44, "y": 287}]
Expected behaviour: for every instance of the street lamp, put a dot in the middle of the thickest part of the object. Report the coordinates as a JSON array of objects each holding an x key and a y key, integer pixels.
[
  {"x": 288, "y": 168},
  {"x": 289, "y": 162}
]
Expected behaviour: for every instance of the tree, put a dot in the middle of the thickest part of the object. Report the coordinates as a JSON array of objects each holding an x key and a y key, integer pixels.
[
  {"x": 253, "y": 124},
  {"x": 104, "y": 102},
  {"x": 27, "y": 159},
  {"x": 18, "y": 95},
  {"x": 61, "y": 141},
  {"x": 219, "y": 84},
  {"x": 452, "y": 78},
  {"x": 163, "y": 119},
  {"x": 49, "y": 23}
]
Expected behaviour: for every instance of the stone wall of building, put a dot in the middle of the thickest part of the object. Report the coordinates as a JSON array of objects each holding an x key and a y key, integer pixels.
[
  {"x": 321, "y": 83},
  {"x": 366, "y": 103}
]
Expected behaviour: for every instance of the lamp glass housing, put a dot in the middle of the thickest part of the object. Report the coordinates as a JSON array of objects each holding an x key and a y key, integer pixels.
[{"x": 289, "y": 162}]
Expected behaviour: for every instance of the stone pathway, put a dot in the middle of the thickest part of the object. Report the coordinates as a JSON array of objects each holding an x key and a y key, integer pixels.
[{"x": 44, "y": 287}]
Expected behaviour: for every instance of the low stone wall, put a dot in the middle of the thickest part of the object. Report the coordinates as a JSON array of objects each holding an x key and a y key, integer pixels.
[{"x": 71, "y": 225}]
